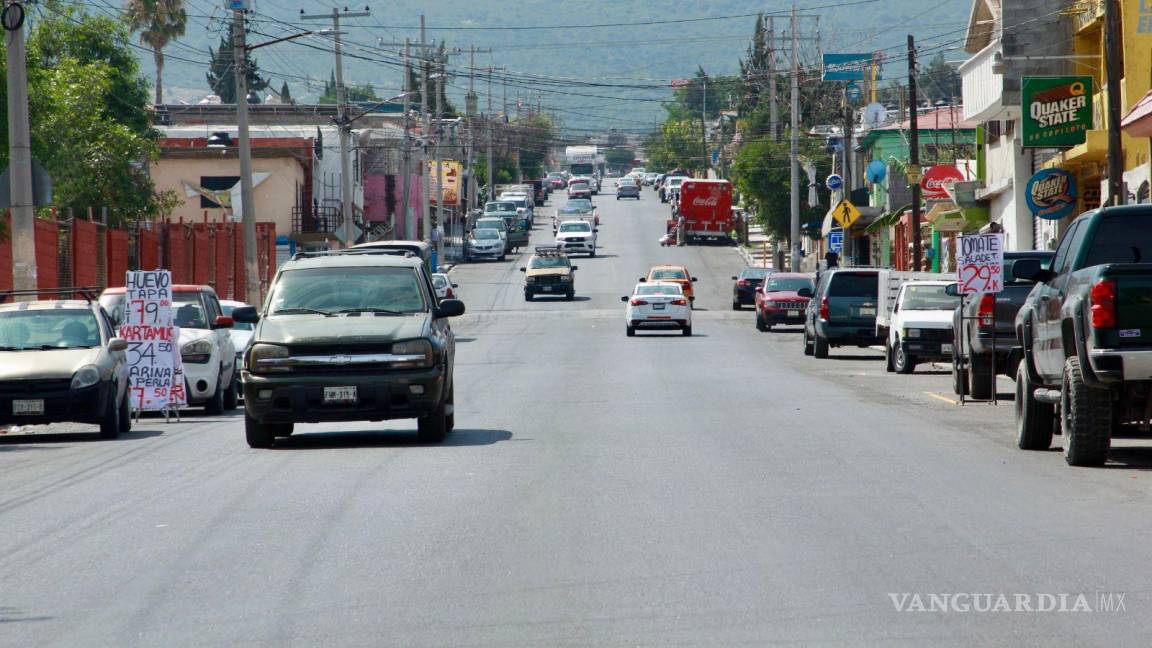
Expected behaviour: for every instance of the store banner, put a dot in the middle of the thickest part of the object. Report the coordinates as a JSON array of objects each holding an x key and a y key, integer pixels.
[
  {"x": 848, "y": 67},
  {"x": 1057, "y": 111},
  {"x": 1051, "y": 194},
  {"x": 155, "y": 371},
  {"x": 450, "y": 172}
]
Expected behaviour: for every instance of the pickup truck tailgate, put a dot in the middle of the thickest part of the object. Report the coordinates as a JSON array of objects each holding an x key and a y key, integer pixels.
[{"x": 1133, "y": 303}]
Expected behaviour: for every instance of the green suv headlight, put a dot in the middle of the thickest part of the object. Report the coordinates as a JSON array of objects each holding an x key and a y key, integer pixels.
[
  {"x": 267, "y": 358},
  {"x": 411, "y": 349},
  {"x": 87, "y": 376}
]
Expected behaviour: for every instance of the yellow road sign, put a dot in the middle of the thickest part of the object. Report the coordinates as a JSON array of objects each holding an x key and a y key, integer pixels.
[{"x": 845, "y": 213}]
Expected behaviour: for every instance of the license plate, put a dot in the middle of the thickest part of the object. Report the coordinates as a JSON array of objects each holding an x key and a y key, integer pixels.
[
  {"x": 547, "y": 288},
  {"x": 867, "y": 312},
  {"x": 945, "y": 348},
  {"x": 657, "y": 306},
  {"x": 334, "y": 395},
  {"x": 793, "y": 313},
  {"x": 28, "y": 407}
]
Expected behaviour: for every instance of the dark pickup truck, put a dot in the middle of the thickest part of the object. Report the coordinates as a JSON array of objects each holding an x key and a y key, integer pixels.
[
  {"x": 1086, "y": 333},
  {"x": 985, "y": 339}
]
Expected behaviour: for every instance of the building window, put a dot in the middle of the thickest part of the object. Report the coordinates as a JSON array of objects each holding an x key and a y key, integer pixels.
[
  {"x": 1009, "y": 127},
  {"x": 215, "y": 183},
  {"x": 992, "y": 132}
]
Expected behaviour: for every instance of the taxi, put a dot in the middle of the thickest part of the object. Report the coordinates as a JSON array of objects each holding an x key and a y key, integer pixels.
[{"x": 673, "y": 274}]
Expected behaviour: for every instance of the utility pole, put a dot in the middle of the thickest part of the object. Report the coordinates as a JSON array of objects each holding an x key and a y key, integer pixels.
[
  {"x": 347, "y": 207},
  {"x": 470, "y": 110},
  {"x": 438, "y": 239},
  {"x": 773, "y": 107},
  {"x": 847, "y": 170},
  {"x": 247, "y": 202},
  {"x": 425, "y": 208},
  {"x": 1112, "y": 61},
  {"x": 914, "y": 151},
  {"x": 489, "y": 129},
  {"x": 794, "y": 152},
  {"x": 704, "y": 125},
  {"x": 409, "y": 222},
  {"x": 20, "y": 156}
]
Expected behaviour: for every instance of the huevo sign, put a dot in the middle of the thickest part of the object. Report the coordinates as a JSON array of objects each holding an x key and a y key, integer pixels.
[
  {"x": 1051, "y": 194},
  {"x": 1057, "y": 111}
]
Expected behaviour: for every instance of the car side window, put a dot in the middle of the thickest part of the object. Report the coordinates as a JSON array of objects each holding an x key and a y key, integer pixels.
[
  {"x": 1059, "y": 262},
  {"x": 214, "y": 309}
]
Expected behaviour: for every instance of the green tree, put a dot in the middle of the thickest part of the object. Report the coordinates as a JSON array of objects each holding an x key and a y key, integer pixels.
[
  {"x": 88, "y": 113},
  {"x": 159, "y": 23},
  {"x": 356, "y": 93},
  {"x": 754, "y": 68},
  {"x": 533, "y": 138},
  {"x": 222, "y": 72},
  {"x": 761, "y": 173},
  {"x": 285, "y": 94},
  {"x": 939, "y": 81},
  {"x": 619, "y": 156}
]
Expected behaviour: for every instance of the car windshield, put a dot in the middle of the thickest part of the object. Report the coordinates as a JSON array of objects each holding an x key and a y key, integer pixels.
[
  {"x": 754, "y": 273},
  {"x": 574, "y": 227},
  {"x": 660, "y": 289},
  {"x": 187, "y": 310},
  {"x": 674, "y": 274},
  {"x": 579, "y": 185},
  {"x": 505, "y": 206},
  {"x": 549, "y": 262},
  {"x": 236, "y": 326},
  {"x": 70, "y": 328},
  {"x": 483, "y": 234},
  {"x": 787, "y": 284},
  {"x": 675, "y": 182},
  {"x": 854, "y": 284},
  {"x": 348, "y": 289},
  {"x": 1121, "y": 238},
  {"x": 930, "y": 297},
  {"x": 440, "y": 281},
  {"x": 491, "y": 223},
  {"x": 583, "y": 204}
]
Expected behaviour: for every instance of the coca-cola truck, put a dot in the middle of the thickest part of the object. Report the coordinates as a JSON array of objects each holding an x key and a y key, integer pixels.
[{"x": 706, "y": 206}]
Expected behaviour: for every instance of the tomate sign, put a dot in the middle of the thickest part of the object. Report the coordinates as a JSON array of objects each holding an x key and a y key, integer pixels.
[{"x": 980, "y": 263}]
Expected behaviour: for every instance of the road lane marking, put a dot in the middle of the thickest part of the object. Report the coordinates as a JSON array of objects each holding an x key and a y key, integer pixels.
[{"x": 950, "y": 401}]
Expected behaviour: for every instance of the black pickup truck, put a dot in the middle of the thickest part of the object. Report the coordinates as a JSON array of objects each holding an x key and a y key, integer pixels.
[
  {"x": 985, "y": 338},
  {"x": 1086, "y": 334}
]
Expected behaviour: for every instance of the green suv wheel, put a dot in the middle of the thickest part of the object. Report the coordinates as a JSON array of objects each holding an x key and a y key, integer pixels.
[
  {"x": 434, "y": 427},
  {"x": 258, "y": 435}
]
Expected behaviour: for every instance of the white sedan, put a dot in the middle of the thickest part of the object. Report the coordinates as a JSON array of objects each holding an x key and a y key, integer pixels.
[
  {"x": 444, "y": 286},
  {"x": 658, "y": 306}
]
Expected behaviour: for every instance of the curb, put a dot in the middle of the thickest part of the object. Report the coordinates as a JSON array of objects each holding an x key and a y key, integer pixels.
[{"x": 746, "y": 255}]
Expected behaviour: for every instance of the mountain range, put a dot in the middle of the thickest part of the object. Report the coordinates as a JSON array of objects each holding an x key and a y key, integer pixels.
[{"x": 596, "y": 65}]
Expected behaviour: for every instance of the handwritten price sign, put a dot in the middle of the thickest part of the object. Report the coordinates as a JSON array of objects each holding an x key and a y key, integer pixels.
[
  {"x": 154, "y": 365},
  {"x": 980, "y": 263}
]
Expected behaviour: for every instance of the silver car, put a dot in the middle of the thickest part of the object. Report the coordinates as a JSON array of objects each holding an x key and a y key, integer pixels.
[{"x": 61, "y": 362}]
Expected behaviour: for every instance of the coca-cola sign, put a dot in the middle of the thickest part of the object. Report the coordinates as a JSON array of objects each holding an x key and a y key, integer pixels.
[
  {"x": 710, "y": 201},
  {"x": 938, "y": 179}
]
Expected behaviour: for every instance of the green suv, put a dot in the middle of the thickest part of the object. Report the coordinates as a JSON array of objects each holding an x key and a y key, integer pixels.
[{"x": 353, "y": 335}]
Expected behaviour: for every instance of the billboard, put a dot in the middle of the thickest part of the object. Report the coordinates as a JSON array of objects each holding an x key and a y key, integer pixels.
[
  {"x": 848, "y": 67},
  {"x": 450, "y": 180},
  {"x": 1057, "y": 111}
]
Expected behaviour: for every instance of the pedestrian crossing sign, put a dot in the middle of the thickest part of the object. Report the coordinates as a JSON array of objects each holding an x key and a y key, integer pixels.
[{"x": 845, "y": 213}]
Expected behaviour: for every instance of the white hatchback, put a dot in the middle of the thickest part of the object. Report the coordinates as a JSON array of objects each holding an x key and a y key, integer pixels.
[{"x": 658, "y": 306}]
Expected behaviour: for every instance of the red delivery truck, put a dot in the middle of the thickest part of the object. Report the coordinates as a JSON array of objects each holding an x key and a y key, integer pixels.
[{"x": 706, "y": 206}]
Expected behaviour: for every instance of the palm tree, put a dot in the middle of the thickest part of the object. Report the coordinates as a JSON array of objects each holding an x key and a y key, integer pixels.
[{"x": 159, "y": 23}]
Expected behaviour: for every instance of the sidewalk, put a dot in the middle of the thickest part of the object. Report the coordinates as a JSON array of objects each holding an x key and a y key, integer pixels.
[{"x": 758, "y": 250}]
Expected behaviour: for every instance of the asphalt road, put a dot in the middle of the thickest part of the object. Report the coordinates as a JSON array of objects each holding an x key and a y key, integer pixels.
[{"x": 599, "y": 490}]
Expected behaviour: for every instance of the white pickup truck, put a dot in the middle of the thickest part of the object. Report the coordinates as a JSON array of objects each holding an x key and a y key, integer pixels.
[{"x": 920, "y": 325}]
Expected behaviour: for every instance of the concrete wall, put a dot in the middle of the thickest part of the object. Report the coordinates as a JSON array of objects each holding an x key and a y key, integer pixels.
[{"x": 274, "y": 197}]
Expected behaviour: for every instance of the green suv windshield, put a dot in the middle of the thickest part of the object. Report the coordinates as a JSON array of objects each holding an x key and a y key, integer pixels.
[
  {"x": 342, "y": 289},
  {"x": 549, "y": 262},
  {"x": 48, "y": 329}
]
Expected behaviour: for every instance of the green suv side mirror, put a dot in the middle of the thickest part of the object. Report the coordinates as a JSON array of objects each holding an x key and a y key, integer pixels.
[
  {"x": 447, "y": 308},
  {"x": 245, "y": 315}
]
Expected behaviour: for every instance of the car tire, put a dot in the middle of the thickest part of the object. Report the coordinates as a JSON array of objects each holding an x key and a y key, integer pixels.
[
  {"x": 450, "y": 414},
  {"x": 569, "y": 296},
  {"x": 959, "y": 378},
  {"x": 888, "y": 366},
  {"x": 592, "y": 254},
  {"x": 760, "y": 325},
  {"x": 687, "y": 331},
  {"x": 110, "y": 423},
  {"x": 808, "y": 346},
  {"x": 434, "y": 427},
  {"x": 630, "y": 330},
  {"x": 282, "y": 429},
  {"x": 902, "y": 363},
  {"x": 735, "y": 305},
  {"x": 1085, "y": 418},
  {"x": 820, "y": 347},
  {"x": 1034, "y": 419},
  {"x": 527, "y": 296},
  {"x": 980, "y": 377},
  {"x": 257, "y": 434},
  {"x": 503, "y": 255},
  {"x": 214, "y": 406},
  {"x": 126, "y": 414},
  {"x": 232, "y": 396}
]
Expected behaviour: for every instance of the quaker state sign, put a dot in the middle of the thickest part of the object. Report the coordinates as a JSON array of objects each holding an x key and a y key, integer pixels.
[{"x": 1057, "y": 111}]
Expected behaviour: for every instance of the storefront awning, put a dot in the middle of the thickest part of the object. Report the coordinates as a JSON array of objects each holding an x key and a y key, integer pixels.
[
  {"x": 887, "y": 220},
  {"x": 868, "y": 215}
]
